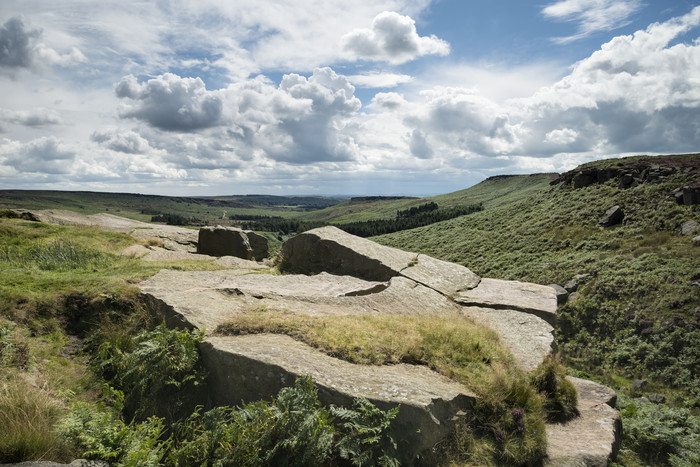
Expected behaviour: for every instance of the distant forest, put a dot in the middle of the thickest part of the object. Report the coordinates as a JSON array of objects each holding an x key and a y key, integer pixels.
[{"x": 417, "y": 216}]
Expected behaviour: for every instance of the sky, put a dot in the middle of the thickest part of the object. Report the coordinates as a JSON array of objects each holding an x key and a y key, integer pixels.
[{"x": 325, "y": 97}]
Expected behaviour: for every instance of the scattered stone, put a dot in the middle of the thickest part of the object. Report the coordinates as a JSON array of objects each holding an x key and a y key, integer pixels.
[
  {"x": 573, "y": 284},
  {"x": 689, "y": 227},
  {"x": 591, "y": 439},
  {"x": 573, "y": 297},
  {"x": 643, "y": 400},
  {"x": 231, "y": 241},
  {"x": 135, "y": 251},
  {"x": 536, "y": 299},
  {"x": 561, "y": 293},
  {"x": 696, "y": 240},
  {"x": 657, "y": 398},
  {"x": 639, "y": 384},
  {"x": 612, "y": 216}
]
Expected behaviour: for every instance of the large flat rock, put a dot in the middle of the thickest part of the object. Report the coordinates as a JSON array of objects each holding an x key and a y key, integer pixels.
[
  {"x": 593, "y": 438},
  {"x": 205, "y": 299},
  {"x": 332, "y": 250},
  {"x": 540, "y": 300},
  {"x": 250, "y": 368}
]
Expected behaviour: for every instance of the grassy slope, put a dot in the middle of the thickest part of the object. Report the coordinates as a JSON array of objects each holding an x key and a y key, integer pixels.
[
  {"x": 495, "y": 191},
  {"x": 640, "y": 290}
]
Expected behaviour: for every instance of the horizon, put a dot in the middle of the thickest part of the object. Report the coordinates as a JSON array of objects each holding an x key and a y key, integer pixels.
[{"x": 388, "y": 97}]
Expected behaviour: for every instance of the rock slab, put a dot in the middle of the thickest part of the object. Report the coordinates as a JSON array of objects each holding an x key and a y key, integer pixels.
[
  {"x": 540, "y": 300},
  {"x": 591, "y": 439},
  {"x": 332, "y": 250}
]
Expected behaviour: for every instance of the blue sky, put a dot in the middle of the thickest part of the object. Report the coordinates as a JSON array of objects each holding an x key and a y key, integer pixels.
[{"x": 204, "y": 97}]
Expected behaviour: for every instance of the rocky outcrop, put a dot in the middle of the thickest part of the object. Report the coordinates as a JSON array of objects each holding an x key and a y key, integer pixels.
[
  {"x": 591, "y": 439},
  {"x": 612, "y": 216},
  {"x": 332, "y": 250},
  {"x": 633, "y": 172},
  {"x": 231, "y": 241},
  {"x": 689, "y": 227}
]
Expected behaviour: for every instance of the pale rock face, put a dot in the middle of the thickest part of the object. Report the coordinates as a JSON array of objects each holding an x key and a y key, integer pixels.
[{"x": 230, "y": 241}]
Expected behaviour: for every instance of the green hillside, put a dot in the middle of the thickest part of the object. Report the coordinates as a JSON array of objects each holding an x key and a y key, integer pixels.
[
  {"x": 494, "y": 191},
  {"x": 636, "y": 313}
]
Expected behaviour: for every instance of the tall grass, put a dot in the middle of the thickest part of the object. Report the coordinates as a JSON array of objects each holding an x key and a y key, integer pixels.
[{"x": 28, "y": 416}]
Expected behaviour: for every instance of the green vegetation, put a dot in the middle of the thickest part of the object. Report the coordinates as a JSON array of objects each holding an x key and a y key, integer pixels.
[{"x": 635, "y": 314}]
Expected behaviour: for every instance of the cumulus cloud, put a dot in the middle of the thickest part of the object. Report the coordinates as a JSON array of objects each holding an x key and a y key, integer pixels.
[
  {"x": 170, "y": 103},
  {"x": 128, "y": 141},
  {"x": 419, "y": 145},
  {"x": 393, "y": 38},
  {"x": 17, "y": 44},
  {"x": 591, "y": 15},
  {"x": 42, "y": 155}
]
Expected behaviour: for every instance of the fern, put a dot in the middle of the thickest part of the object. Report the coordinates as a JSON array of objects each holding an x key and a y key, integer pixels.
[{"x": 367, "y": 438}]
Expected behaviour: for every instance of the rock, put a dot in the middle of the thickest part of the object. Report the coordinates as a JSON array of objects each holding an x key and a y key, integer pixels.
[
  {"x": 585, "y": 178},
  {"x": 230, "y": 241},
  {"x": 332, "y": 250},
  {"x": 135, "y": 251},
  {"x": 691, "y": 194},
  {"x": 657, "y": 398},
  {"x": 643, "y": 400},
  {"x": 638, "y": 384},
  {"x": 591, "y": 439},
  {"x": 696, "y": 240},
  {"x": 536, "y": 299},
  {"x": 689, "y": 227},
  {"x": 612, "y": 216},
  {"x": 629, "y": 180},
  {"x": 573, "y": 284},
  {"x": 561, "y": 293}
]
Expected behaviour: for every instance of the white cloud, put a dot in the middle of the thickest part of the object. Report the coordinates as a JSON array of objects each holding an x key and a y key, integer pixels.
[
  {"x": 128, "y": 142},
  {"x": 170, "y": 102},
  {"x": 43, "y": 155},
  {"x": 591, "y": 15},
  {"x": 379, "y": 80},
  {"x": 393, "y": 38}
]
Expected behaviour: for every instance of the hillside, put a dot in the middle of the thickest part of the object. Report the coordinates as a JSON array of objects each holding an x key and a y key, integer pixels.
[
  {"x": 635, "y": 313},
  {"x": 494, "y": 191}
]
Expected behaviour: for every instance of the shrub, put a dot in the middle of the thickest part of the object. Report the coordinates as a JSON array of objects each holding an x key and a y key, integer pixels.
[
  {"x": 99, "y": 433},
  {"x": 366, "y": 434},
  {"x": 157, "y": 370},
  {"x": 659, "y": 434},
  {"x": 560, "y": 397},
  {"x": 293, "y": 429}
]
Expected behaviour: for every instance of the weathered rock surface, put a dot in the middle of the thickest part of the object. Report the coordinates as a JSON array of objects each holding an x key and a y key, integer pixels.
[
  {"x": 231, "y": 241},
  {"x": 332, "y": 250},
  {"x": 612, "y": 216},
  {"x": 206, "y": 299},
  {"x": 689, "y": 227},
  {"x": 528, "y": 337},
  {"x": 561, "y": 293},
  {"x": 592, "y": 438},
  {"x": 251, "y": 368},
  {"x": 540, "y": 300}
]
